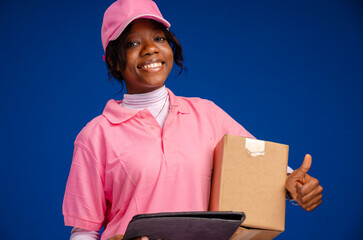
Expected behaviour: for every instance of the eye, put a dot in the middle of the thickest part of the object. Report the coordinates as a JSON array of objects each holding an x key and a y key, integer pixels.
[
  {"x": 160, "y": 39},
  {"x": 132, "y": 44}
]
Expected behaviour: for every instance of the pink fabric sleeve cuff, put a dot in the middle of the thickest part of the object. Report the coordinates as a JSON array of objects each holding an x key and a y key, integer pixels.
[{"x": 81, "y": 223}]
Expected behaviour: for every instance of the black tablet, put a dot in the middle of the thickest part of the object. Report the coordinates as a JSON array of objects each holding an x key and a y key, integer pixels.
[{"x": 185, "y": 225}]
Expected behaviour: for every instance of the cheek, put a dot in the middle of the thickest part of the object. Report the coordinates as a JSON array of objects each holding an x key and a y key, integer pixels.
[
  {"x": 169, "y": 56},
  {"x": 130, "y": 62},
  {"x": 128, "y": 58}
]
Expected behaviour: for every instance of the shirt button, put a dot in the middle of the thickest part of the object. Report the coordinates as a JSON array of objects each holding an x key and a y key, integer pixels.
[{"x": 142, "y": 115}]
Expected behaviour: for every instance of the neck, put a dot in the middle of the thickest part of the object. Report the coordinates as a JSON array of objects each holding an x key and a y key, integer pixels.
[
  {"x": 157, "y": 102},
  {"x": 145, "y": 100}
]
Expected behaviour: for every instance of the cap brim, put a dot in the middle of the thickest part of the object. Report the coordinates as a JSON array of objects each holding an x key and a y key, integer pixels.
[{"x": 122, "y": 27}]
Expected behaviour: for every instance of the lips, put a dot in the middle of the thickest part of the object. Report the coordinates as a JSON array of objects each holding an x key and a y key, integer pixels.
[{"x": 152, "y": 65}]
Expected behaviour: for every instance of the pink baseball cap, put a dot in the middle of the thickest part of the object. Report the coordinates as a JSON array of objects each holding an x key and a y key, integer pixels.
[{"x": 122, "y": 12}]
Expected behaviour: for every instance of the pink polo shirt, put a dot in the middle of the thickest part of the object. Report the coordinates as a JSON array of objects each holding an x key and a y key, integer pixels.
[{"x": 125, "y": 164}]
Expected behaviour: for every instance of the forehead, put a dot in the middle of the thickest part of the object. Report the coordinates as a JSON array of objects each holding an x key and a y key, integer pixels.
[{"x": 144, "y": 25}]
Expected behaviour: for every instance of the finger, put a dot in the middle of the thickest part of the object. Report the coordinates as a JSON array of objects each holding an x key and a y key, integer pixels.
[
  {"x": 311, "y": 195},
  {"x": 311, "y": 203},
  {"x": 305, "y": 166},
  {"x": 311, "y": 208},
  {"x": 117, "y": 237},
  {"x": 310, "y": 184}
]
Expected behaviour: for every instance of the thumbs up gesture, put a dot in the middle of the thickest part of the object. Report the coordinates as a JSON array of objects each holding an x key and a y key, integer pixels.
[{"x": 303, "y": 188}]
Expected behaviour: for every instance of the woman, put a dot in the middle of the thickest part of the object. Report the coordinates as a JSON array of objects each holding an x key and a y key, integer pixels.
[{"x": 152, "y": 151}]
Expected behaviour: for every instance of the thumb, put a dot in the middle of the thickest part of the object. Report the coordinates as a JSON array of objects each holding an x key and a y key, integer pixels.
[{"x": 305, "y": 166}]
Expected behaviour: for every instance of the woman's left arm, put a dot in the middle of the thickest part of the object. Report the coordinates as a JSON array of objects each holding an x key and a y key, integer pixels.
[{"x": 303, "y": 188}]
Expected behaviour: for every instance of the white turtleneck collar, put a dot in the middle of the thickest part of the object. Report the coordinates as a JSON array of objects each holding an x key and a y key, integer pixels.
[{"x": 157, "y": 102}]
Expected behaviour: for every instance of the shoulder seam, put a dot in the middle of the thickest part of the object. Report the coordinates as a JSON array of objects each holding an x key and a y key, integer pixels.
[{"x": 84, "y": 146}]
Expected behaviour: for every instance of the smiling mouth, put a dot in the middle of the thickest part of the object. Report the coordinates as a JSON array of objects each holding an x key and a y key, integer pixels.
[{"x": 151, "y": 66}]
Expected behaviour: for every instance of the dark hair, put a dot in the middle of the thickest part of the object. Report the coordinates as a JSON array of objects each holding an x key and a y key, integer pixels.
[{"x": 115, "y": 52}]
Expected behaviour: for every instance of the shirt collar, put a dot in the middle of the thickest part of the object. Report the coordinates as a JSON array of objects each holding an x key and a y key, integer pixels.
[
  {"x": 116, "y": 114},
  {"x": 177, "y": 104}
]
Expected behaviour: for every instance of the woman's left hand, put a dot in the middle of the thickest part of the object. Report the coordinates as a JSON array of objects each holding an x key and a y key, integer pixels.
[
  {"x": 117, "y": 237},
  {"x": 121, "y": 236},
  {"x": 303, "y": 188}
]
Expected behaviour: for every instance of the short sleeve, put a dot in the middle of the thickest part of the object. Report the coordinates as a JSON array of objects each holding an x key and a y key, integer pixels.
[{"x": 84, "y": 203}]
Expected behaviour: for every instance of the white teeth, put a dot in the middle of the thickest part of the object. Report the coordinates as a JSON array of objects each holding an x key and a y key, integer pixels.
[{"x": 152, "y": 65}]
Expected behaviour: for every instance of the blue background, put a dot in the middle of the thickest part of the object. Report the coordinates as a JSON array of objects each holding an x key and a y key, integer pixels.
[{"x": 288, "y": 71}]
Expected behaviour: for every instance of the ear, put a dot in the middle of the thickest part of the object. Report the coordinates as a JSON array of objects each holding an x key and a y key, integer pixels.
[{"x": 109, "y": 61}]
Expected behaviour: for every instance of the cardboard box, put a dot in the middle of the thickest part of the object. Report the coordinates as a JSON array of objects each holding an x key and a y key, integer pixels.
[{"x": 249, "y": 176}]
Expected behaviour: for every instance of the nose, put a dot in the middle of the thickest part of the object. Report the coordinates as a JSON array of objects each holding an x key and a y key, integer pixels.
[{"x": 149, "y": 48}]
